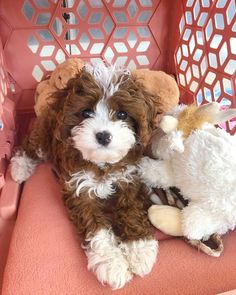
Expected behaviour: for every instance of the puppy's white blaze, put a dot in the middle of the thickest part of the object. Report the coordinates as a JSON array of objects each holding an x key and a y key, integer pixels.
[
  {"x": 123, "y": 139},
  {"x": 141, "y": 255},
  {"x": 102, "y": 111},
  {"x": 105, "y": 258},
  {"x": 86, "y": 181},
  {"x": 22, "y": 167},
  {"x": 107, "y": 78}
]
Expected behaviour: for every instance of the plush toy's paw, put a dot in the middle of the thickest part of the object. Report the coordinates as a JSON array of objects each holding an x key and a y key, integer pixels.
[
  {"x": 198, "y": 223},
  {"x": 155, "y": 173},
  {"x": 141, "y": 255},
  {"x": 107, "y": 261},
  {"x": 22, "y": 167},
  {"x": 166, "y": 218}
]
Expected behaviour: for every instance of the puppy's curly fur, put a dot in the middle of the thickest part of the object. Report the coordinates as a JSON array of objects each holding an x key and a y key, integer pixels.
[{"x": 128, "y": 223}]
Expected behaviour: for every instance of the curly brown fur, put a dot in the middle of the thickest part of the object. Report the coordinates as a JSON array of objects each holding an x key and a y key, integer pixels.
[
  {"x": 132, "y": 221},
  {"x": 87, "y": 214}
]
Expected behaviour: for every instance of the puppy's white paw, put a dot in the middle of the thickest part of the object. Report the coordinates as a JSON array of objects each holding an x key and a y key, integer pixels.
[
  {"x": 107, "y": 260},
  {"x": 141, "y": 255},
  {"x": 22, "y": 166}
]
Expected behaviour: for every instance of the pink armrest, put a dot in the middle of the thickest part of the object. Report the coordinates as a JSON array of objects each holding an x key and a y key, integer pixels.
[{"x": 9, "y": 197}]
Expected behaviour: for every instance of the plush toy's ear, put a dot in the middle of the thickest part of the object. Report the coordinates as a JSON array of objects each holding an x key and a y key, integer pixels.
[
  {"x": 209, "y": 108},
  {"x": 224, "y": 115},
  {"x": 161, "y": 86},
  {"x": 212, "y": 110}
]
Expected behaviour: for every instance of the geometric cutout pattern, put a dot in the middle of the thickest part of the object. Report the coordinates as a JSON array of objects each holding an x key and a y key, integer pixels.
[
  {"x": 114, "y": 31},
  {"x": 205, "y": 56},
  {"x": 133, "y": 33},
  {"x": 128, "y": 47}
]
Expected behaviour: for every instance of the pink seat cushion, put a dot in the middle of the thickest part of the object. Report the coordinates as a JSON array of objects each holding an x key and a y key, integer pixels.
[{"x": 45, "y": 256}]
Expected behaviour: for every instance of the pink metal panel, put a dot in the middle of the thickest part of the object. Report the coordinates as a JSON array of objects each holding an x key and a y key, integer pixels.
[
  {"x": 28, "y": 64},
  {"x": 39, "y": 34},
  {"x": 5, "y": 29},
  {"x": 4, "y": 82},
  {"x": 82, "y": 27},
  {"x": 132, "y": 46},
  {"x": 205, "y": 55},
  {"x": 7, "y": 110},
  {"x": 132, "y": 12},
  {"x": 27, "y": 13}
]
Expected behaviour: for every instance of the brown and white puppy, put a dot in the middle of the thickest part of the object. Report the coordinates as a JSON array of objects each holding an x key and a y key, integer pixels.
[{"x": 95, "y": 134}]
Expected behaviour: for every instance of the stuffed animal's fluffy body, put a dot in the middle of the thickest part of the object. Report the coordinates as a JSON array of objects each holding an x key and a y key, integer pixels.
[{"x": 202, "y": 164}]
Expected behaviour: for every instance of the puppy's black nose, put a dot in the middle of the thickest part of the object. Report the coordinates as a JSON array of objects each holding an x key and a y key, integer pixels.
[{"x": 103, "y": 138}]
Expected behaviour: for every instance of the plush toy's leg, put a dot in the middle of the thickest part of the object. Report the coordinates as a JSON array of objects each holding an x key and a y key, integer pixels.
[
  {"x": 199, "y": 222},
  {"x": 134, "y": 230},
  {"x": 166, "y": 218},
  {"x": 156, "y": 173},
  {"x": 105, "y": 258}
]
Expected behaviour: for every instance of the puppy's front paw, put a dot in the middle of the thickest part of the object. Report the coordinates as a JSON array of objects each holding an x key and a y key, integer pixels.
[
  {"x": 141, "y": 255},
  {"x": 107, "y": 260},
  {"x": 22, "y": 167}
]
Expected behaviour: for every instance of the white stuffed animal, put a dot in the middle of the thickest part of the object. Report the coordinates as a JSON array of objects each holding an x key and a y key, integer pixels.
[{"x": 200, "y": 160}]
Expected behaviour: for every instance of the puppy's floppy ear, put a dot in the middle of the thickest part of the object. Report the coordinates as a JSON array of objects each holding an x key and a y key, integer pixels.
[
  {"x": 153, "y": 108},
  {"x": 57, "y": 109},
  {"x": 62, "y": 131},
  {"x": 149, "y": 108}
]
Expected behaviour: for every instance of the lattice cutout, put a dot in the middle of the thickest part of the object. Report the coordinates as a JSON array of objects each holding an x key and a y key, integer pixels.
[
  {"x": 43, "y": 44},
  {"x": 38, "y": 12},
  {"x": 132, "y": 11},
  {"x": 114, "y": 31},
  {"x": 206, "y": 54},
  {"x": 129, "y": 32},
  {"x": 82, "y": 28},
  {"x": 132, "y": 47}
]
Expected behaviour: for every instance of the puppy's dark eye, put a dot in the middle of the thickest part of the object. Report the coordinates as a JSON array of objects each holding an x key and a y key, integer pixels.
[
  {"x": 121, "y": 115},
  {"x": 87, "y": 113}
]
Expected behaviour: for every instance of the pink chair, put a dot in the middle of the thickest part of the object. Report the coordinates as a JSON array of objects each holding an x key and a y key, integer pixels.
[{"x": 194, "y": 40}]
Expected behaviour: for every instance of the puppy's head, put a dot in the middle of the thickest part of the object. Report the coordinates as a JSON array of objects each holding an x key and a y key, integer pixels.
[{"x": 107, "y": 114}]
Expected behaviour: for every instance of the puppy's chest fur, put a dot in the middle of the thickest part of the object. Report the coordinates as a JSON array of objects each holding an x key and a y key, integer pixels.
[{"x": 104, "y": 186}]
